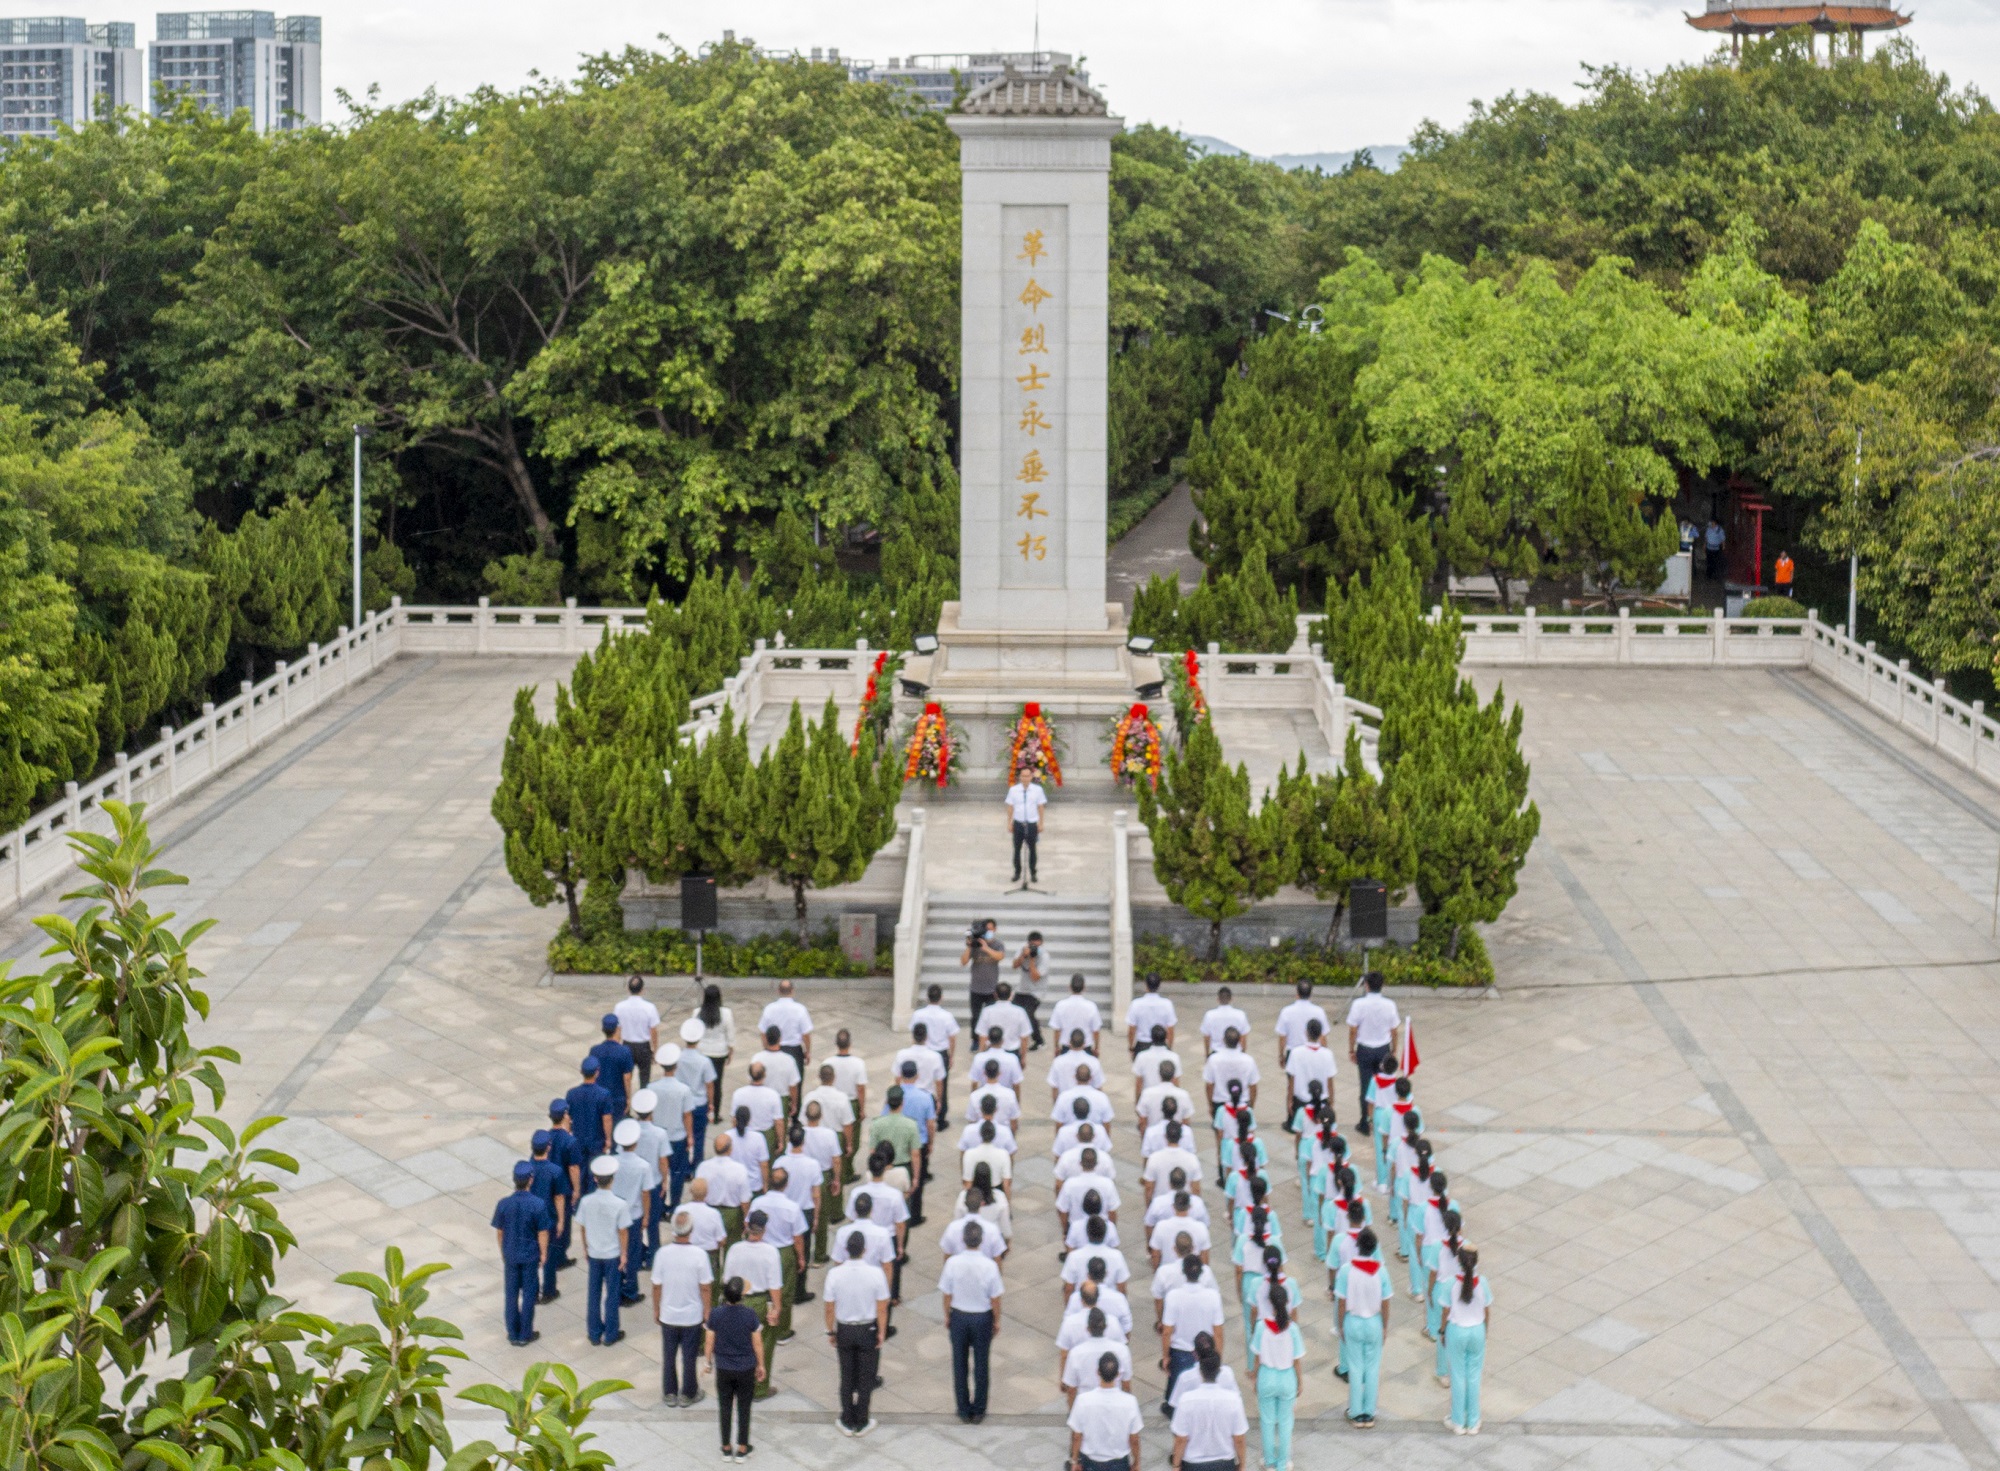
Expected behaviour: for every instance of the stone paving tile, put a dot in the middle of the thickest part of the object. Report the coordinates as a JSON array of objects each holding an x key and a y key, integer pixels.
[{"x": 1660, "y": 1302}]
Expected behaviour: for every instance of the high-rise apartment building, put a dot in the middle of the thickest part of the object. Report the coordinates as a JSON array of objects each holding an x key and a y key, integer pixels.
[
  {"x": 57, "y": 69},
  {"x": 230, "y": 59}
]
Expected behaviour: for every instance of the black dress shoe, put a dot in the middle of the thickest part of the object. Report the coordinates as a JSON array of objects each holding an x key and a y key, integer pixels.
[
  {"x": 618, "y": 1337},
  {"x": 532, "y": 1336},
  {"x": 804, "y": 1297},
  {"x": 547, "y": 1297}
]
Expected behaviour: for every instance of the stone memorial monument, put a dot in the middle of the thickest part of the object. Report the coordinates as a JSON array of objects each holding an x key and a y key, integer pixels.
[{"x": 1031, "y": 621}]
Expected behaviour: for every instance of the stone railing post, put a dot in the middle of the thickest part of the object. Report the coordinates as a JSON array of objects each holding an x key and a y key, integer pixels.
[{"x": 173, "y": 760}]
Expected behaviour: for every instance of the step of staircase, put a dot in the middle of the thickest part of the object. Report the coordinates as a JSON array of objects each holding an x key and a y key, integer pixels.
[{"x": 1076, "y": 931}]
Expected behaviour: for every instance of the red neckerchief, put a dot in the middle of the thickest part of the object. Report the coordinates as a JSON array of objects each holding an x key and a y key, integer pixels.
[
  {"x": 1367, "y": 1264},
  {"x": 1437, "y": 1202},
  {"x": 1402, "y": 1107},
  {"x": 1272, "y": 1324}
]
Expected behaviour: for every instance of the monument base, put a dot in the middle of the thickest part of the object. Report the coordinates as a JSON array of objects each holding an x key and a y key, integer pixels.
[{"x": 1083, "y": 680}]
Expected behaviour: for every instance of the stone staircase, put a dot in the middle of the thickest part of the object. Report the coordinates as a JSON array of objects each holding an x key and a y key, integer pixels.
[{"x": 1076, "y": 935}]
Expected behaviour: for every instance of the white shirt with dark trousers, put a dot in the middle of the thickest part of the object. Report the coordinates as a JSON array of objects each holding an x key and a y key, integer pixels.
[
  {"x": 1211, "y": 1417},
  {"x": 1107, "y": 1419},
  {"x": 854, "y": 1288},
  {"x": 971, "y": 1281},
  {"x": 680, "y": 1271},
  {"x": 1374, "y": 1020}
]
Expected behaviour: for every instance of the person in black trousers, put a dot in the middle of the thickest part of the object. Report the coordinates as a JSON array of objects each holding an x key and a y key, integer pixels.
[
  {"x": 857, "y": 1319},
  {"x": 736, "y": 1359}
]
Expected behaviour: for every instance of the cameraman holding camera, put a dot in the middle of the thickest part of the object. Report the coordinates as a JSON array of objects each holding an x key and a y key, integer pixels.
[
  {"x": 1033, "y": 964},
  {"x": 983, "y": 952}
]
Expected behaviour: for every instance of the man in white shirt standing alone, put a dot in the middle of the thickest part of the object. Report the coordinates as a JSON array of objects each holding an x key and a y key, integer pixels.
[
  {"x": 1371, "y": 1030},
  {"x": 1025, "y": 801}
]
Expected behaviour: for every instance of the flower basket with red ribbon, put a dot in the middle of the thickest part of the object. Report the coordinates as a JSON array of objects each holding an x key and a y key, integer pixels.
[
  {"x": 874, "y": 703},
  {"x": 1034, "y": 746},
  {"x": 928, "y": 755},
  {"x": 1135, "y": 749}
]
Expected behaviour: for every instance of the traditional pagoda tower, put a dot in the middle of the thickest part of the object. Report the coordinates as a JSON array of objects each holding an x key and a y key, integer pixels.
[{"x": 1753, "y": 19}]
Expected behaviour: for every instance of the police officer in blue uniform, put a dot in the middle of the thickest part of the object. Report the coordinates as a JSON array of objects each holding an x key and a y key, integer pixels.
[
  {"x": 523, "y": 1225},
  {"x": 590, "y": 1114},
  {"x": 567, "y": 1155},
  {"x": 614, "y": 1066},
  {"x": 550, "y": 1186}
]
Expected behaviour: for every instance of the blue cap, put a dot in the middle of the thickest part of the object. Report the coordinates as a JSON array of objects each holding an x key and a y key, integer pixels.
[
  {"x": 523, "y": 1171},
  {"x": 590, "y": 1067},
  {"x": 558, "y": 1107},
  {"x": 541, "y": 1139},
  {"x": 609, "y": 1019}
]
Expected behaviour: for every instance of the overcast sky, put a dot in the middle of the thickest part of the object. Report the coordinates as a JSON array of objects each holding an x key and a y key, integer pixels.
[{"x": 1271, "y": 76}]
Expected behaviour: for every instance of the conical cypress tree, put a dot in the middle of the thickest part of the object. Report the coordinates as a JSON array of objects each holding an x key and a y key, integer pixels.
[{"x": 1211, "y": 852}]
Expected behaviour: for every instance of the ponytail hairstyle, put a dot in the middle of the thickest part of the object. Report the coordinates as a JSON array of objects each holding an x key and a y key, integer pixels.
[
  {"x": 1314, "y": 1091},
  {"x": 1245, "y": 1126},
  {"x": 1403, "y": 1088},
  {"x": 1274, "y": 1261},
  {"x": 1452, "y": 1221},
  {"x": 1258, "y": 1190},
  {"x": 1260, "y": 1227},
  {"x": 742, "y": 1121},
  {"x": 1412, "y": 1125},
  {"x": 1343, "y": 1181},
  {"x": 1235, "y": 1092},
  {"x": 1468, "y": 1262},
  {"x": 1337, "y": 1147},
  {"x": 1423, "y": 1149},
  {"x": 982, "y": 1185},
  {"x": 1438, "y": 1184},
  {"x": 1281, "y": 1317}
]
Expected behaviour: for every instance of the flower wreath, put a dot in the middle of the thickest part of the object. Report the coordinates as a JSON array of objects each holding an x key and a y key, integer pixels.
[
  {"x": 928, "y": 756},
  {"x": 1135, "y": 748},
  {"x": 1034, "y": 746}
]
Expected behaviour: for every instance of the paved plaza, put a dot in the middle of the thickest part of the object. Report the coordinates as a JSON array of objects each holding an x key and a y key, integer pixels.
[{"x": 1726, "y": 1133}]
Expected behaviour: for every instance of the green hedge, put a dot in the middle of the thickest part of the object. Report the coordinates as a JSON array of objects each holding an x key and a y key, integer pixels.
[
  {"x": 1773, "y": 607},
  {"x": 1423, "y": 964},
  {"x": 671, "y": 952}
]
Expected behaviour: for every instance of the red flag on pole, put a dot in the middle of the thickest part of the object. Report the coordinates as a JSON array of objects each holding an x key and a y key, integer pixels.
[{"x": 1409, "y": 1058}]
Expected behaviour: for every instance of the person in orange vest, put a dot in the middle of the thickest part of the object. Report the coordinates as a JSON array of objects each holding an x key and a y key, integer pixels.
[{"x": 1781, "y": 575}]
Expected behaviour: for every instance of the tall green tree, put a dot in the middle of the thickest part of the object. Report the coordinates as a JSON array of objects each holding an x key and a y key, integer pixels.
[
  {"x": 822, "y": 812},
  {"x": 1213, "y": 852},
  {"x": 1345, "y": 827}
]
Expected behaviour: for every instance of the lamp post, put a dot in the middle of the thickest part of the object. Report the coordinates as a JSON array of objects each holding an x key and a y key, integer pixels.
[{"x": 361, "y": 432}]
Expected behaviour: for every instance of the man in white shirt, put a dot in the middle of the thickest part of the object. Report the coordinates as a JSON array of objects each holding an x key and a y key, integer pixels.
[
  {"x": 1076, "y": 1012},
  {"x": 805, "y": 1187},
  {"x": 1169, "y": 1275},
  {"x": 952, "y": 1240},
  {"x": 1191, "y": 1308},
  {"x": 1308, "y": 1064},
  {"x": 1162, "y": 1204},
  {"x": 1161, "y": 1163},
  {"x": 1011, "y": 1072},
  {"x": 762, "y": 1269},
  {"x": 1079, "y": 1364},
  {"x": 794, "y": 1024},
  {"x": 825, "y": 1148},
  {"x": 1006, "y": 1107},
  {"x": 1093, "y": 1292},
  {"x": 1220, "y": 1017},
  {"x": 1069, "y": 1199},
  {"x": 1069, "y": 1163},
  {"x": 725, "y": 1184},
  {"x": 1146, "y": 1062},
  {"x": 1371, "y": 1031},
  {"x": 1149, "y": 1011},
  {"x": 971, "y": 1286},
  {"x": 709, "y": 1233},
  {"x": 989, "y": 1113},
  {"x": 1006, "y": 1014},
  {"x": 1063, "y": 1071},
  {"x": 638, "y": 1028},
  {"x": 766, "y": 1105},
  {"x": 683, "y": 1290},
  {"x": 857, "y": 1316},
  {"x": 1104, "y": 1423},
  {"x": 930, "y": 1063},
  {"x": 1161, "y": 1089},
  {"x": 1072, "y": 1136},
  {"x": 1209, "y": 1423},
  {"x": 941, "y": 1032},
  {"x": 784, "y": 1228},
  {"x": 1076, "y": 1266},
  {"x": 781, "y": 1069},
  {"x": 1163, "y": 1242},
  {"x": 836, "y": 1112},
  {"x": 1230, "y": 1062},
  {"x": 1025, "y": 803},
  {"x": 1097, "y": 1107}
]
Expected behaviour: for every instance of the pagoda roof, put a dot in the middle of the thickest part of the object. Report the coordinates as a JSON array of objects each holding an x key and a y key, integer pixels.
[
  {"x": 1766, "y": 18},
  {"x": 1055, "y": 93}
]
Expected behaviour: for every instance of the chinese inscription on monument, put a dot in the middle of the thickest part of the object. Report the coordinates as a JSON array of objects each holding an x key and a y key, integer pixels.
[{"x": 1034, "y": 389}]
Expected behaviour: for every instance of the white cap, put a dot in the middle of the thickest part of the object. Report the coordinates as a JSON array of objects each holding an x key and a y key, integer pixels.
[
  {"x": 692, "y": 1030},
  {"x": 645, "y": 1101},
  {"x": 604, "y": 1165},
  {"x": 669, "y": 1056},
  {"x": 627, "y": 1132}
]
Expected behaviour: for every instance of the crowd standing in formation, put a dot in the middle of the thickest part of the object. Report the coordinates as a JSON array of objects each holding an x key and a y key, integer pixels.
[{"x": 725, "y": 1209}]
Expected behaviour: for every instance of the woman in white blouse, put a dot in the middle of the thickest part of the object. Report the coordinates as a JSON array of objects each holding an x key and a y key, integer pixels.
[{"x": 718, "y": 1040}]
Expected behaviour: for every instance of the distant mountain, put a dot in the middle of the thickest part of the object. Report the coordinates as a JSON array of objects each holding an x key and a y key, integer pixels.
[{"x": 1385, "y": 155}]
